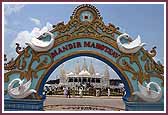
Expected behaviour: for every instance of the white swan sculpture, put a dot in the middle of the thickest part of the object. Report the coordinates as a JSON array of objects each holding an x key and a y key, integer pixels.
[
  {"x": 20, "y": 91},
  {"x": 40, "y": 45},
  {"x": 131, "y": 47},
  {"x": 149, "y": 95}
]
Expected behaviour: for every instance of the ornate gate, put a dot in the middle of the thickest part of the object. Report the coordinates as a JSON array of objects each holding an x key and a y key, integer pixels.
[{"x": 84, "y": 35}]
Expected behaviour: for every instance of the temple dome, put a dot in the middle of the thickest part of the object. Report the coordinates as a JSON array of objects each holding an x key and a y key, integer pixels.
[
  {"x": 97, "y": 73},
  {"x": 84, "y": 73},
  {"x": 69, "y": 74}
]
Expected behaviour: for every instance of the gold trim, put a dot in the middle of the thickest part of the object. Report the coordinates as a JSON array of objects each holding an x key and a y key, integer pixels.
[
  {"x": 75, "y": 29},
  {"x": 84, "y": 52}
]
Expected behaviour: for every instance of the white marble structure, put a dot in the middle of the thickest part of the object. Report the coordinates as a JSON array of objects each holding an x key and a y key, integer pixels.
[{"x": 84, "y": 75}]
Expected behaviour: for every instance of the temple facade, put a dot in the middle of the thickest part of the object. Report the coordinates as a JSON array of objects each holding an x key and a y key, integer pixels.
[{"x": 85, "y": 75}]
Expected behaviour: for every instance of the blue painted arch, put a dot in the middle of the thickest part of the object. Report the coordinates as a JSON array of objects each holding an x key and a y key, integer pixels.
[{"x": 89, "y": 54}]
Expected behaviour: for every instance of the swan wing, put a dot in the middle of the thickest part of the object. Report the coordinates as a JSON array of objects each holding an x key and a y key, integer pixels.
[
  {"x": 26, "y": 94},
  {"x": 133, "y": 44},
  {"x": 142, "y": 89},
  {"x": 153, "y": 94},
  {"x": 43, "y": 30},
  {"x": 40, "y": 48},
  {"x": 39, "y": 43},
  {"x": 136, "y": 41},
  {"x": 35, "y": 32},
  {"x": 14, "y": 91},
  {"x": 26, "y": 85}
]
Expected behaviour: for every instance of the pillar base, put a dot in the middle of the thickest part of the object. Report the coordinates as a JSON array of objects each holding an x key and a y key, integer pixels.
[
  {"x": 143, "y": 106},
  {"x": 23, "y": 105}
]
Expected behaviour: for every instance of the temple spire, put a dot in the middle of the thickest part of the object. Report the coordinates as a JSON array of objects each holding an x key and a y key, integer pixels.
[
  {"x": 77, "y": 68},
  {"x": 91, "y": 69},
  {"x": 106, "y": 72},
  {"x": 106, "y": 77},
  {"x": 62, "y": 74},
  {"x": 62, "y": 70},
  {"x": 84, "y": 67}
]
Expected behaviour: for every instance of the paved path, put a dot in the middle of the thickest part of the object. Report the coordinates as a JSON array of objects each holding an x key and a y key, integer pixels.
[{"x": 115, "y": 102}]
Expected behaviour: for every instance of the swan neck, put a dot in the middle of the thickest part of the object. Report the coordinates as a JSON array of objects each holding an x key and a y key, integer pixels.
[{"x": 119, "y": 39}]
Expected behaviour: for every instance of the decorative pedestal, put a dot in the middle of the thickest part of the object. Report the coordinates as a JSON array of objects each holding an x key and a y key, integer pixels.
[
  {"x": 23, "y": 105},
  {"x": 143, "y": 106}
]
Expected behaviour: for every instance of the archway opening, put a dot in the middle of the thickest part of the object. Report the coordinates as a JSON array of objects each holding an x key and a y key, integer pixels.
[
  {"x": 54, "y": 82},
  {"x": 86, "y": 72}
]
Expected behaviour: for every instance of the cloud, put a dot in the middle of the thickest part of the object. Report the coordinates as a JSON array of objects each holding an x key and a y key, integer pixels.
[
  {"x": 36, "y": 32},
  {"x": 35, "y": 21},
  {"x": 12, "y": 8},
  {"x": 22, "y": 38},
  {"x": 10, "y": 54},
  {"x": 25, "y": 36},
  {"x": 8, "y": 10}
]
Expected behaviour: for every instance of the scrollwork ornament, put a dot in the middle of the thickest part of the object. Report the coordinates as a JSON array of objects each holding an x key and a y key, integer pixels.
[{"x": 18, "y": 48}]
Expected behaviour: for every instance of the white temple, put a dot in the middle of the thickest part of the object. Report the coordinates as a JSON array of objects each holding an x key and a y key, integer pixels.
[{"x": 84, "y": 75}]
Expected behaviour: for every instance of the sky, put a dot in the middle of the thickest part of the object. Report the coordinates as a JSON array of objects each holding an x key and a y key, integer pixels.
[
  {"x": 69, "y": 66},
  {"x": 146, "y": 20}
]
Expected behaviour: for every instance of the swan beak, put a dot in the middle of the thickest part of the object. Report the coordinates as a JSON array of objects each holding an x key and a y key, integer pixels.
[
  {"x": 34, "y": 91},
  {"x": 143, "y": 44}
]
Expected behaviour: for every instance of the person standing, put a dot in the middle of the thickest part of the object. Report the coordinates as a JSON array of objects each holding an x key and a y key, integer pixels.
[
  {"x": 65, "y": 91},
  {"x": 108, "y": 92},
  {"x": 73, "y": 92},
  {"x": 81, "y": 91},
  {"x": 69, "y": 92}
]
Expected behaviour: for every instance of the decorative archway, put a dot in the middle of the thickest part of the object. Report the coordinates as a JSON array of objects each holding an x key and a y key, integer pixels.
[{"x": 84, "y": 35}]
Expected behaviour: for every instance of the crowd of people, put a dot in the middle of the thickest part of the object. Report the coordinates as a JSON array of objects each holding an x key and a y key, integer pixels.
[
  {"x": 67, "y": 92},
  {"x": 81, "y": 91}
]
